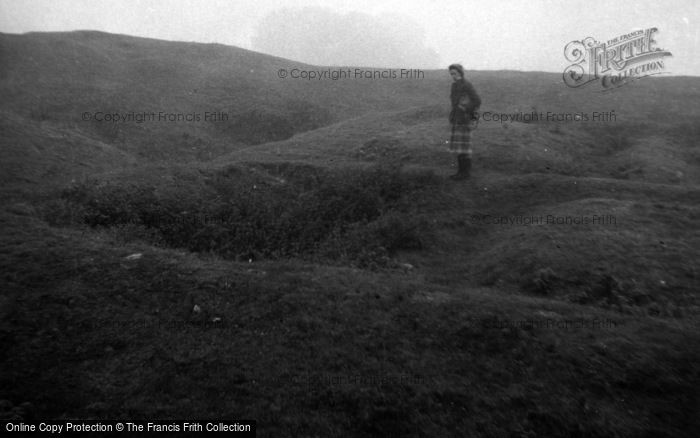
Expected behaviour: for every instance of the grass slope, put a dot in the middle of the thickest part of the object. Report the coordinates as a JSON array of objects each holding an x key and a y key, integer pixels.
[{"x": 321, "y": 350}]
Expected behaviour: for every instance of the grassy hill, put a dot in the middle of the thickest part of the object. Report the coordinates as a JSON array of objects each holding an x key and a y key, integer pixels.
[
  {"x": 343, "y": 286},
  {"x": 48, "y": 81}
]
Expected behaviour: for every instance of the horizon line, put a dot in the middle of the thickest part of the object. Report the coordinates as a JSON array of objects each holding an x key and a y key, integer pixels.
[{"x": 515, "y": 70}]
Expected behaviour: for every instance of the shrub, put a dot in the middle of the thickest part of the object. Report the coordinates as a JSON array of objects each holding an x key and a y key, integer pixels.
[
  {"x": 62, "y": 212},
  {"x": 356, "y": 216}
]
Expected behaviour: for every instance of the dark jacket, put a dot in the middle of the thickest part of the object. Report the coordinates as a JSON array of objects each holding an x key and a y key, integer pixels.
[{"x": 461, "y": 114}]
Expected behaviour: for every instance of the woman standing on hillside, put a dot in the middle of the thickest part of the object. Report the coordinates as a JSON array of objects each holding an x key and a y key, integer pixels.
[{"x": 465, "y": 102}]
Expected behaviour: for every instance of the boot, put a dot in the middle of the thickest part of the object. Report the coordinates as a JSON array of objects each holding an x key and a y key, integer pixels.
[{"x": 464, "y": 164}]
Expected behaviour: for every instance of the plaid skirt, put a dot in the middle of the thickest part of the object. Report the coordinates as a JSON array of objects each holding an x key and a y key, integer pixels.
[{"x": 460, "y": 140}]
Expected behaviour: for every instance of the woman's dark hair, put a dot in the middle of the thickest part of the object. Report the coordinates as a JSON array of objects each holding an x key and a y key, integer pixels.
[{"x": 457, "y": 67}]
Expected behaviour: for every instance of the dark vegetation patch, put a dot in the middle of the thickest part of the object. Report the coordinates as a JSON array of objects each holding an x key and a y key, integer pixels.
[{"x": 361, "y": 217}]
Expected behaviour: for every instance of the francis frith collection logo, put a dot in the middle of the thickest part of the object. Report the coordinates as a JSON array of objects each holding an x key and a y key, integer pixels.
[{"x": 615, "y": 62}]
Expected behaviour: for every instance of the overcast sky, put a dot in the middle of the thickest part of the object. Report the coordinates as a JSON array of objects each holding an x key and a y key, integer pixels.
[{"x": 482, "y": 35}]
